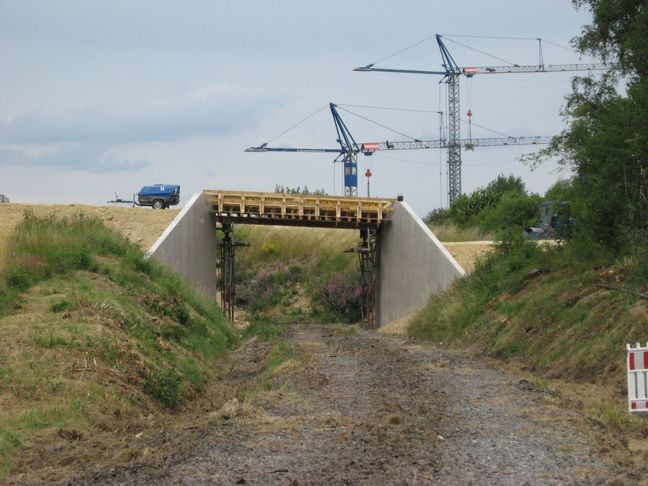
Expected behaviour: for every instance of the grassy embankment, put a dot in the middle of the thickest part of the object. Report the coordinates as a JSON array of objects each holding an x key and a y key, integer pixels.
[
  {"x": 561, "y": 316},
  {"x": 95, "y": 339}
]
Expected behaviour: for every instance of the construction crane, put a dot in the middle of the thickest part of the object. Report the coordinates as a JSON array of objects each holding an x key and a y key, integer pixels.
[
  {"x": 349, "y": 148},
  {"x": 451, "y": 75},
  {"x": 348, "y": 152}
]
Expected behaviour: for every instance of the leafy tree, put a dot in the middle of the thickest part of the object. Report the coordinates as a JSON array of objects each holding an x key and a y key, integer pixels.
[
  {"x": 606, "y": 142},
  {"x": 513, "y": 211},
  {"x": 562, "y": 190},
  {"x": 437, "y": 216},
  {"x": 298, "y": 190},
  {"x": 470, "y": 209}
]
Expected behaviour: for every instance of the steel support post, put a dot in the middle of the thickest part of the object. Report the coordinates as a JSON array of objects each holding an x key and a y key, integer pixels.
[
  {"x": 368, "y": 275},
  {"x": 226, "y": 270}
]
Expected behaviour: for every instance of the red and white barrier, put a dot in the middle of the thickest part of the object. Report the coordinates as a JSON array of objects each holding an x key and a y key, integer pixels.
[{"x": 637, "y": 378}]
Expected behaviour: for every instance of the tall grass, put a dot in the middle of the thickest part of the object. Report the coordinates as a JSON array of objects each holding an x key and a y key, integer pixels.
[
  {"x": 47, "y": 248},
  {"x": 41, "y": 247},
  {"x": 285, "y": 244},
  {"x": 448, "y": 232},
  {"x": 284, "y": 263},
  {"x": 544, "y": 306}
]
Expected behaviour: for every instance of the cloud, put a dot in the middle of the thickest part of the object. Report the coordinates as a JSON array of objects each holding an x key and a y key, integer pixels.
[
  {"x": 213, "y": 111},
  {"x": 87, "y": 157}
]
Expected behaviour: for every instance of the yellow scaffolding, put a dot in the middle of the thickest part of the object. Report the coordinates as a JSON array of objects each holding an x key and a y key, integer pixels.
[{"x": 298, "y": 210}]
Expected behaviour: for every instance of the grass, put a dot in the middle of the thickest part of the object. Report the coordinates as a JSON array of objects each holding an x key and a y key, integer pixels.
[
  {"x": 286, "y": 244},
  {"x": 558, "y": 318},
  {"x": 549, "y": 309},
  {"x": 14, "y": 430},
  {"x": 449, "y": 232},
  {"x": 298, "y": 274},
  {"x": 90, "y": 326}
]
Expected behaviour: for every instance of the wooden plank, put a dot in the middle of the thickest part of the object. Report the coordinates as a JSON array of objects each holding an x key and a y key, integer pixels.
[{"x": 322, "y": 210}]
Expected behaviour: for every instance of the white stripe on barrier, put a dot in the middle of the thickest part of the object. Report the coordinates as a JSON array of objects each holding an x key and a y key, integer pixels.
[{"x": 637, "y": 378}]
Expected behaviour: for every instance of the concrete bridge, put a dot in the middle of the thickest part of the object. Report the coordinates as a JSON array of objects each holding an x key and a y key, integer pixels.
[{"x": 402, "y": 262}]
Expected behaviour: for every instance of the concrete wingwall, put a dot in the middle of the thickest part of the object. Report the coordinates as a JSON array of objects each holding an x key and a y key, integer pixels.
[
  {"x": 188, "y": 246},
  {"x": 412, "y": 266}
]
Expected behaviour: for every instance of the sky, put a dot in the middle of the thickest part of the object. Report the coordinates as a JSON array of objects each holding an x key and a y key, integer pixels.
[{"x": 98, "y": 98}]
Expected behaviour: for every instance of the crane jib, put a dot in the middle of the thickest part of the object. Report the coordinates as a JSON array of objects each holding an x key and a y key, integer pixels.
[{"x": 371, "y": 147}]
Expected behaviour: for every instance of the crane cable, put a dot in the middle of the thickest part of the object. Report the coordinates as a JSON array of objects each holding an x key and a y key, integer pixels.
[
  {"x": 379, "y": 124},
  {"x": 482, "y": 52},
  {"x": 297, "y": 124},
  {"x": 441, "y": 135},
  {"x": 511, "y": 38},
  {"x": 404, "y": 49}
]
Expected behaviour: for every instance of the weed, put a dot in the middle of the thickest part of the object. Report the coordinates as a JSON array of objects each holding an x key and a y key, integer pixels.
[
  {"x": 108, "y": 346},
  {"x": 350, "y": 330},
  {"x": 616, "y": 418},
  {"x": 279, "y": 354},
  {"x": 61, "y": 305},
  {"x": 53, "y": 341},
  {"x": 264, "y": 328},
  {"x": 9, "y": 440},
  {"x": 165, "y": 386},
  {"x": 340, "y": 298},
  {"x": 194, "y": 374},
  {"x": 18, "y": 279}
]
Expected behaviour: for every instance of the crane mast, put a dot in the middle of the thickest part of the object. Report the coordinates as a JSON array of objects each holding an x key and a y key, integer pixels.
[
  {"x": 348, "y": 152},
  {"x": 451, "y": 75}
]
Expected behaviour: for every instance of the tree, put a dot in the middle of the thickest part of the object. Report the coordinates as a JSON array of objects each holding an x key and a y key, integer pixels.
[
  {"x": 298, "y": 190},
  {"x": 606, "y": 142},
  {"x": 561, "y": 191},
  {"x": 469, "y": 210}
]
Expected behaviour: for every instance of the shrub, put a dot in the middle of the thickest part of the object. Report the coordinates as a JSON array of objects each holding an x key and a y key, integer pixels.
[
  {"x": 340, "y": 297},
  {"x": 471, "y": 209},
  {"x": 512, "y": 211},
  {"x": 437, "y": 216},
  {"x": 165, "y": 386}
]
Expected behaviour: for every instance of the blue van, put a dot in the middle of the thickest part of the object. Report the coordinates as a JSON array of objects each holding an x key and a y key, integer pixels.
[{"x": 159, "y": 196}]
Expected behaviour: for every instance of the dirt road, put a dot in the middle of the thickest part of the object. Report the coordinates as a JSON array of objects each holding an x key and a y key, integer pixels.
[{"x": 365, "y": 408}]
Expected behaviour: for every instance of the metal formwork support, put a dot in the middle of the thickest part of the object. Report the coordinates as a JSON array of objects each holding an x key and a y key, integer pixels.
[
  {"x": 368, "y": 276},
  {"x": 226, "y": 270}
]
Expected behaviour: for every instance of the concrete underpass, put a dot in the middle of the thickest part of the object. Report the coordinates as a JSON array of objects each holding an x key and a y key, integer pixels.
[{"x": 407, "y": 262}]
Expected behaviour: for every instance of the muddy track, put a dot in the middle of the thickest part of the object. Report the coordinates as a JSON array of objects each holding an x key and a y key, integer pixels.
[{"x": 363, "y": 408}]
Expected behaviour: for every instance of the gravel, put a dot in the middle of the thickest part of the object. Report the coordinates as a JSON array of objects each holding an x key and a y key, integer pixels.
[{"x": 365, "y": 408}]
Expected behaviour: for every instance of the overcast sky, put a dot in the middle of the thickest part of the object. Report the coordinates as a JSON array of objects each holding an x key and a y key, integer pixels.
[{"x": 101, "y": 97}]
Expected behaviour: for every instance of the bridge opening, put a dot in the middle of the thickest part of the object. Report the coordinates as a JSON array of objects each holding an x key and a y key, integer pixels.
[
  {"x": 363, "y": 214},
  {"x": 400, "y": 261}
]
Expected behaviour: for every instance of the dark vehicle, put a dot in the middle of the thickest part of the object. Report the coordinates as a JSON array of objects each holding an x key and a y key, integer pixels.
[
  {"x": 555, "y": 222},
  {"x": 159, "y": 196}
]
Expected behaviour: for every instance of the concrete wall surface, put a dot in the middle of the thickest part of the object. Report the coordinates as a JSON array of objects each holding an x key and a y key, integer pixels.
[
  {"x": 188, "y": 246},
  {"x": 412, "y": 266}
]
